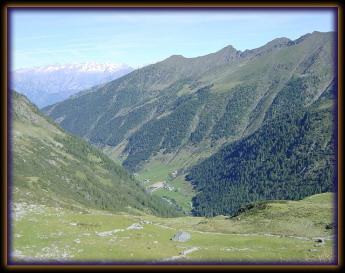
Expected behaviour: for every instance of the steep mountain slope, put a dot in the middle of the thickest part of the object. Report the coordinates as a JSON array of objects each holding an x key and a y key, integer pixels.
[
  {"x": 289, "y": 158},
  {"x": 183, "y": 109},
  {"x": 46, "y": 85},
  {"x": 49, "y": 166}
]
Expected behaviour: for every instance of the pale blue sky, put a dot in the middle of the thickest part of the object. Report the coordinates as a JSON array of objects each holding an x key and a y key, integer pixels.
[{"x": 137, "y": 37}]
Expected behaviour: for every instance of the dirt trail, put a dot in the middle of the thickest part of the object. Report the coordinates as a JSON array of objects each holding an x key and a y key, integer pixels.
[
  {"x": 133, "y": 226},
  {"x": 183, "y": 255}
]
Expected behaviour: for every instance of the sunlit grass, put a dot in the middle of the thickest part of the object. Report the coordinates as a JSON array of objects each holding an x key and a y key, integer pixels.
[{"x": 46, "y": 233}]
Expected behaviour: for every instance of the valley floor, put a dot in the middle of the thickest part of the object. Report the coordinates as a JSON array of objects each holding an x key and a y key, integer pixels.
[{"x": 282, "y": 232}]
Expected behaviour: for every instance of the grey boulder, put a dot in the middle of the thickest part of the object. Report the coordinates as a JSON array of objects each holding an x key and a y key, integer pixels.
[{"x": 181, "y": 236}]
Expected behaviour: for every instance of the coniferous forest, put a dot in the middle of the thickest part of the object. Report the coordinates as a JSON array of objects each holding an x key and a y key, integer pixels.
[{"x": 289, "y": 158}]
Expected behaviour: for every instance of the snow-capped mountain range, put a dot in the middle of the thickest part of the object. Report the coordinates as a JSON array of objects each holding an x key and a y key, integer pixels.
[{"x": 46, "y": 85}]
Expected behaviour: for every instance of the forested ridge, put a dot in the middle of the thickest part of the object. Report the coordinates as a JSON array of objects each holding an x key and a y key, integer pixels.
[
  {"x": 265, "y": 115},
  {"x": 182, "y": 106},
  {"x": 292, "y": 156}
]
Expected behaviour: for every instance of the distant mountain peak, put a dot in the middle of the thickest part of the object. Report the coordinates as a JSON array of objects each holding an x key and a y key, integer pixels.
[
  {"x": 93, "y": 66},
  {"x": 278, "y": 42},
  {"x": 86, "y": 66},
  {"x": 229, "y": 48},
  {"x": 48, "y": 84},
  {"x": 175, "y": 57}
]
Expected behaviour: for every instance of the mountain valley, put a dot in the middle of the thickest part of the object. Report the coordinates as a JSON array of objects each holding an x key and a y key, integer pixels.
[
  {"x": 170, "y": 116},
  {"x": 235, "y": 150}
]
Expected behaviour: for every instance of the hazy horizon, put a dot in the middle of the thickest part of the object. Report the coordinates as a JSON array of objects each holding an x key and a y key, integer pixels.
[{"x": 40, "y": 37}]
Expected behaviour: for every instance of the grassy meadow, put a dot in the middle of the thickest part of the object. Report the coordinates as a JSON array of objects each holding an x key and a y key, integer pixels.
[{"x": 277, "y": 232}]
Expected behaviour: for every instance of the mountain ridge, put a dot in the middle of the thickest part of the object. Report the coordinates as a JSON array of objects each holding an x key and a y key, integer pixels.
[
  {"x": 91, "y": 66},
  {"x": 180, "y": 111},
  {"x": 154, "y": 90},
  {"x": 51, "y": 83}
]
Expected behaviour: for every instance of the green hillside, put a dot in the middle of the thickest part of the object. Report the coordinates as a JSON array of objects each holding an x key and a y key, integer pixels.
[
  {"x": 290, "y": 157},
  {"x": 52, "y": 167},
  {"x": 182, "y": 109}
]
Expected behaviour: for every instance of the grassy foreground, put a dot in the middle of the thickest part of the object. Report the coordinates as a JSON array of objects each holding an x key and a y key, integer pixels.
[{"x": 274, "y": 232}]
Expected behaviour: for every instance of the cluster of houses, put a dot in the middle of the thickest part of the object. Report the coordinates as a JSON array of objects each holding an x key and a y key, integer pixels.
[
  {"x": 173, "y": 174},
  {"x": 158, "y": 186},
  {"x": 150, "y": 189},
  {"x": 169, "y": 188}
]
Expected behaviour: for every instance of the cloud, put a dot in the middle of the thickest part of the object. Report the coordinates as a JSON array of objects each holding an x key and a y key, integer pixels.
[{"x": 39, "y": 37}]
